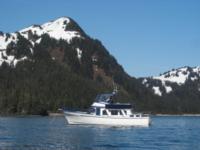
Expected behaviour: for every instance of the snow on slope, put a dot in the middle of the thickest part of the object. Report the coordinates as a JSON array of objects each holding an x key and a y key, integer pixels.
[
  {"x": 5, "y": 39},
  {"x": 157, "y": 90},
  {"x": 55, "y": 29},
  {"x": 79, "y": 53},
  {"x": 178, "y": 76}
]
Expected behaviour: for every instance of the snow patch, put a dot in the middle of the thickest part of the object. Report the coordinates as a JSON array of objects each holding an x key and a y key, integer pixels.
[
  {"x": 184, "y": 69},
  {"x": 157, "y": 90},
  {"x": 6, "y": 39},
  {"x": 144, "y": 81},
  {"x": 178, "y": 76},
  {"x": 94, "y": 59},
  {"x": 194, "y": 78},
  {"x": 168, "y": 89},
  {"x": 38, "y": 41},
  {"x": 15, "y": 61},
  {"x": 55, "y": 29},
  {"x": 79, "y": 53},
  {"x": 9, "y": 59},
  {"x": 197, "y": 69}
]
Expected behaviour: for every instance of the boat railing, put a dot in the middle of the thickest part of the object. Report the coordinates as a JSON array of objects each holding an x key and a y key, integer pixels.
[
  {"x": 139, "y": 115},
  {"x": 145, "y": 115}
]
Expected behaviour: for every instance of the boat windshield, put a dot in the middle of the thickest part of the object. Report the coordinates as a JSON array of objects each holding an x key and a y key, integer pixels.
[{"x": 103, "y": 97}]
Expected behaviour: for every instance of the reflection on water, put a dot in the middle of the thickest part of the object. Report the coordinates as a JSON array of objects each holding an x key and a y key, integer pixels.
[{"x": 54, "y": 133}]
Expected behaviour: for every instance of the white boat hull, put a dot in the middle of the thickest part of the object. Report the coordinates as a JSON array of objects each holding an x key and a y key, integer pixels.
[{"x": 84, "y": 118}]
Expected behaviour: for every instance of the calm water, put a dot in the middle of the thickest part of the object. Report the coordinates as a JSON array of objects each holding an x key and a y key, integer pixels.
[{"x": 51, "y": 133}]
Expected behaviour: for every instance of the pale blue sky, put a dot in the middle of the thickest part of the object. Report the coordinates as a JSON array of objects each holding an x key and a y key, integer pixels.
[{"x": 147, "y": 37}]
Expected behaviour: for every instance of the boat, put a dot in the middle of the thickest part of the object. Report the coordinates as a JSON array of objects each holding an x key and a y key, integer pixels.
[{"x": 104, "y": 112}]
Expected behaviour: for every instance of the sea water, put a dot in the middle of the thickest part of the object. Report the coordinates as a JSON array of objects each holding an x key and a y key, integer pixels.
[{"x": 53, "y": 133}]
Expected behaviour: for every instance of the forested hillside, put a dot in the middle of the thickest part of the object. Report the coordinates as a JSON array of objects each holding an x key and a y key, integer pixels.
[{"x": 178, "y": 89}]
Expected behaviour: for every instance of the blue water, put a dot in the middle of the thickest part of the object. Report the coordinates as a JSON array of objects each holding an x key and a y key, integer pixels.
[{"x": 53, "y": 133}]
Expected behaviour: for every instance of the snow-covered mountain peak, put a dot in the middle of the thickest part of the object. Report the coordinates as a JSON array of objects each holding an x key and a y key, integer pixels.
[
  {"x": 62, "y": 28},
  {"x": 163, "y": 82},
  {"x": 58, "y": 29},
  {"x": 51, "y": 25},
  {"x": 179, "y": 75},
  {"x": 58, "y": 22}
]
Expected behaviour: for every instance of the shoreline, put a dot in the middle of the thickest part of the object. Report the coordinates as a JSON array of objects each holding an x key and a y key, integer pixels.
[
  {"x": 30, "y": 115},
  {"x": 187, "y": 115},
  {"x": 55, "y": 114},
  {"x": 62, "y": 114}
]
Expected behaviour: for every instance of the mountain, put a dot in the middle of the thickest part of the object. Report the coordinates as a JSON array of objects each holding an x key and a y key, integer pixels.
[
  {"x": 63, "y": 28},
  {"x": 178, "y": 89},
  {"x": 166, "y": 82},
  {"x": 56, "y": 64}
]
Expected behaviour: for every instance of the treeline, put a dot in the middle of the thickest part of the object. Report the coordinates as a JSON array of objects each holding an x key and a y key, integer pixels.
[
  {"x": 183, "y": 99},
  {"x": 38, "y": 86}
]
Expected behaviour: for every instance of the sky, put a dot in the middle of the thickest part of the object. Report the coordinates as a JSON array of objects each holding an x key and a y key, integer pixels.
[{"x": 147, "y": 37}]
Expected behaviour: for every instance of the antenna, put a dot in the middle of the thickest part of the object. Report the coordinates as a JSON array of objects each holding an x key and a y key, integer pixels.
[{"x": 115, "y": 89}]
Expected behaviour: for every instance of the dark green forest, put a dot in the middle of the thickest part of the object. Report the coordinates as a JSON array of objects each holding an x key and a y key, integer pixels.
[{"x": 40, "y": 83}]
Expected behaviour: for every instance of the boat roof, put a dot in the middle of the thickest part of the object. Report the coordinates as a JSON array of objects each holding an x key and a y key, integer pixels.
[{"x": 118, "y": 106}]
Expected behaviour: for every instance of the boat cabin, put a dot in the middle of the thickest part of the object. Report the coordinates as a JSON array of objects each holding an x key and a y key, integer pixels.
[
  {"x": 104, "y": 106},
  {"x": 114, "y": 110}
]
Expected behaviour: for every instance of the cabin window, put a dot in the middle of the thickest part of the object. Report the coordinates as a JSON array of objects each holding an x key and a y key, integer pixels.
[
  {"x": 114, "y": 112},
  {"x": 120, "y": 112},
  {"x": 125, "y": 112},
  {"x": 97, "y": 111},
  {"x": 104, "y": 112},
  {"x": 137, "y": 115},
  {"x": 91, "y": 110}
]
